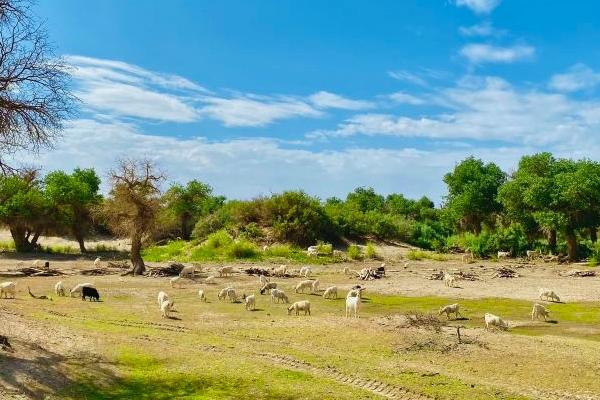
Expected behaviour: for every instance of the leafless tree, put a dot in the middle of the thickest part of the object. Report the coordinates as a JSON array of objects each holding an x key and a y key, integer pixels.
[
  {"x": 35, "y": 96},
  {"x": 133, "y": 204}
]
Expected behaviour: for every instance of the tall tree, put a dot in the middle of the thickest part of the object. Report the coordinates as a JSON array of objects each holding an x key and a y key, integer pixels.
[
  {"x": 133, "y": 204},
  {"x": 35, "y": 96},
  {"x": 74, "y": 195},
  {"x": 472, "y": 190},
  {"x": 187, "y": 204}
]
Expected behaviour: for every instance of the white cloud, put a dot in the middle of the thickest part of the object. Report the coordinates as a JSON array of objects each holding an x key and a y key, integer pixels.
[
  {"x": 578, "y": 77},
  {"x": 324, "y": 99},
  {"x": 482, "y": 29},
  {"x": 484, "y": 109},
  {"x": 407, "y": 76},
  {"x": 405, "y": 98},
  {"x": 485, "y": 53},
  {"x": 251, "y": 111},
  {"x": 479, "y": 6}
]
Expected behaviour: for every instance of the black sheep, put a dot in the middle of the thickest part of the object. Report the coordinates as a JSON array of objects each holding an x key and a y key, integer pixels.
[{"x": 90, "y": 292}]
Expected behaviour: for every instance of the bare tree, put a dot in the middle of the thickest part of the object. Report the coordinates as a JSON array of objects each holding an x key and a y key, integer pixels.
[
  {"x": 35, "y": 96},
  {"x": 133, "y": 204}
]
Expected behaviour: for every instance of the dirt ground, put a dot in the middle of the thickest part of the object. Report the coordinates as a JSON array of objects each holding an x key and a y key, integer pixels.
[{"x": 45, "y": 352}]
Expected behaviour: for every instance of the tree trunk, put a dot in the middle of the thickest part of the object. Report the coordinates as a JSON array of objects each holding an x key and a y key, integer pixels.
[
  {"x": 136, "y": 254},
  {"x": 572, "y": 244},
  {"x": 593, "y": 234},
  {"x": 552, "y": 240},
  {"x": 19, "y": 236},
  {"x": 79, "y": 237},
  {"x": 185, "y": 227}
]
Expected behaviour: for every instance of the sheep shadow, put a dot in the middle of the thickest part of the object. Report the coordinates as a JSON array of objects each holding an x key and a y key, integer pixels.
[
  {"x": 174, "y": 318},
  {"x": 551, "y": 321},
  {"x": 257, "y": 309},
  {"x": 461, "y": 319}
]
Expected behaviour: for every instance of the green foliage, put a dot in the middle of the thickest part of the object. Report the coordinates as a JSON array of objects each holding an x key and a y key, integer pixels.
[
  {"x": 354, "y": 252},
  {"x": 242, "y": 249},
  {"x": 8, "y": 245},
  {"x": 324, "y": 248},
  {"x": 418, "y": 255},
  {"x": 370, "y": 251},
  {"x": 594, "y": 258},
  {"x": 279, "y": 250},
  {"x": 218, "y": 240}
]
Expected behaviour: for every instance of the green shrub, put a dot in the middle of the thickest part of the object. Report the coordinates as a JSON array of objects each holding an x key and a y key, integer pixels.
[
  {"x": 324, "y": 248},
  {"x": 7, "y": 246},
  {"x": 370, "y": 252},
  {"x": 594, "y": 258},
  {"x": 173, "y": 250},
  {"x": 242, "y": 249},
  {"x": 354, "y": 252},
  {"x": 218, "y": 239},
  {"x": 280, "y": 250},
  {"x": 59, "y": 249},
  {"x": 252, "y": 231},
  {"x": 418, "y": 255}
]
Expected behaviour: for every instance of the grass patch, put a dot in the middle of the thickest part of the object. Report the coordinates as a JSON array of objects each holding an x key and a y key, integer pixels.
[
  {"x": 8, "y": 245},
  {"x": 418, "y": 255},
  {"x": 354, "y": 252},
  {"x": 57, "y": 249}
]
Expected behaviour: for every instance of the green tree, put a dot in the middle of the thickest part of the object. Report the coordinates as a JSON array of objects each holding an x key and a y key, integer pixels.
[
  {"x": 23, "y": 209},
  {"x": 188, "y": 203},
  {"x": 472, "y": 190},
  {"x": 365, "y": 199},
  {"x": 73, "y": 196}
]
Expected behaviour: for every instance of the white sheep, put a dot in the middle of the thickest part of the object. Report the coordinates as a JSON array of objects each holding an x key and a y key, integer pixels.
[
  {"x": 312, "y": 251},
  {"x": 225, "y": 271},
  {"x": 165, "y": 308},
  {"x": 263, "y": 280},
  {"x": 330, "y": 292},
  {"x": 467, "y": 258},
  {"x": 231, "y": 295},
  {"x": 202, "y": 295},
  {"x": 250, "y": 302},
  {"x": 305, "y": 272},
  {"x": 494, "y": 320},
  {"x": 539, "y": 310},
  {"x": 162, "y": 297},
  {"x": 315, "y": 286},
  {"x": 450, "y": 309},
  {"x": 175, "y": 281},
  {"x": 223, "y": 293},
  {"x": 355, "y": 292},
  {"x": 298, "y": 306},
  {"x": 97, "y": 262},
  {"x": 277, "y": 295},
  {"x": 352, "y": 305},
  {"x": 188, "y": 272},
  {"x": 280, "y": 271},
  {"x": 531, "y": 254},
  {"x": 449, "y": 279},
  {"x": 60, "y": 289},
  {"x": 7, "y": 288},
  {"x": 210, "y": 280},
  {"x": 548, "y": 294},
  {"x": 77, "y": 288},
  {"x": 300, "y": 287},
  {"x": 267, "y": 287},
  {"x": 503, "y": 254}
]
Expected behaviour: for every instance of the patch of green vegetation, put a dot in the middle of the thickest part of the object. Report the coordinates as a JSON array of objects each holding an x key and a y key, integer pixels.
[
  {"x": 370, "y": 251},
  {"x": 8, "y": 245},
  {"x": 279, "y": 250},
  {"x": 418, "y": 255},
  {"x": 173, "y": 250},
  {"x": 59, "y": 249},
  {"x": 354, "y": 252}
]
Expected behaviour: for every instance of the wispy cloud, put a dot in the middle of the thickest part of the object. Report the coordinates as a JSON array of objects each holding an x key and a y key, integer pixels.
[
  {"x": 324, "y": 99},
  {"x": 407, "y": 76},
  {"x": 483, "y": 29},
  {"x": 578, "y": 77},
  {"x": 479, "y": 6},
  {"x": 485, "y": 53},
  {"x": 406, "y": 98}
]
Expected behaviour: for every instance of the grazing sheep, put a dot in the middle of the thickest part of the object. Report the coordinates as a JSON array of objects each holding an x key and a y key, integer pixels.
[
  {"x": 7, "y": 288},
  {"x": 494, "y": 320},
  {"x": 97, "y": 262},
  {"x": 352, "y": 305},
  {"x": 298, "y": 306},
  {"x": 304, "y": 285},
  {"x": 263, "y": 280},
  {"x": 210, "y": 280},
  {"x": 503, "y": 254},
  {"x": 548, "y": 294},
  {"x": 77, "y": 288},
  {"x": 176, "y": 281},
  {"x": 315, "y": 286},
  {"x": 162, "y": 297},
  {"x": 267, "y": 287},
  {"x": 356, "y": 291},
  {"x": 305, "y": 272},
  {"x": 231, "y": 295},
  {"x": 165, "y": 308},
  {"x": 202, "y": 295},
  {"x": 539, "y": 310},
  {"x": 312, "y": 251},
  {"x": 531, "y": 254},
  {"x": 277, "y": 295},
  {"x": 330, "y": 292},
  {"x": 188, "y": 272},
  {"x": 467, "y": 258},
  {"x": 225, "y": 271},
  {"x": 223, "y": 293},
  {"x": 280, "y": 271},
  {"x": 449, "y": 279},
  {"x": 450, "y": 309},
  {"x": 250, "y": 302},
  {"x": 60, "y": 289},
  {"x": 90, "y": 292}
]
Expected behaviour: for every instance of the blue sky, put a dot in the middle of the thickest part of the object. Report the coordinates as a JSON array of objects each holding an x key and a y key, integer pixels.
[{"x": 256, "y": 97}]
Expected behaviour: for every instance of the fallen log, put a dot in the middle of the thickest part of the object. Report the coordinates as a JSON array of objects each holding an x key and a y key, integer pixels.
[
  {"x": 171, "y": 269},
  {"x": 505, "y": 272}
]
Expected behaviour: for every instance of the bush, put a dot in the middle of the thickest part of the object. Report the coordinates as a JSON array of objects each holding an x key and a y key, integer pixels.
[
  {"x": 370, "y": 252},
  {"x": 418, "y": 255},
  {"x": 242, "y": 249},
  {"x": 280, "y": 250},
  {"x": 324, "y": 249},
  {"x": 354, "y": 252},
  {"x": 218, "y": 239},
  {"x": 7, "y": 246}
]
